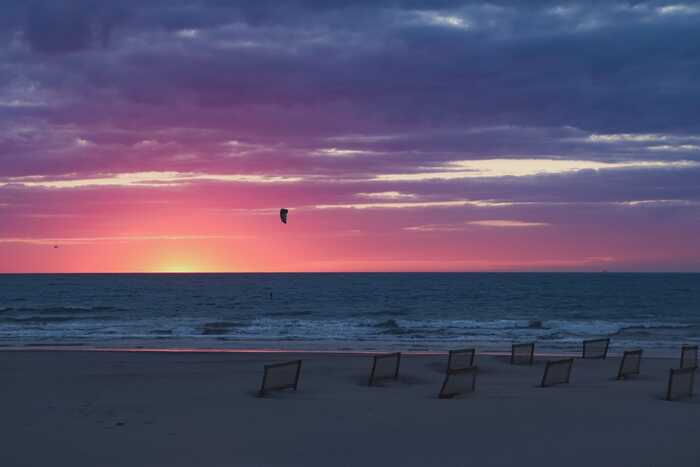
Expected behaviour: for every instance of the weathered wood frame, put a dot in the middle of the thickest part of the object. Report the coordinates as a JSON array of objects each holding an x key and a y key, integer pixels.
[
  {"x": 395, "y": 376},
  {"x": 677, "y": 371},
  {"x": 453, "y": 353},
  {"x": 551, "y": 363},
  {"x": 689, "y": 349},
  {"x": 622, "y": 373},
  {"x": 588, "y": 342},
  {"x": 531, "y": 358},
  {"x": 264, "y": 389},
  {"x": 452, "y": 373}
]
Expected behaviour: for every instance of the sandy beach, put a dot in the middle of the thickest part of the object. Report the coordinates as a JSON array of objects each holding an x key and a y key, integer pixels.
[{"x": 183, "y": 409}]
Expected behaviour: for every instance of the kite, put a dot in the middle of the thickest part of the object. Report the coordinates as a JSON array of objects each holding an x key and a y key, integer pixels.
[{"x": 283, "y": 215}]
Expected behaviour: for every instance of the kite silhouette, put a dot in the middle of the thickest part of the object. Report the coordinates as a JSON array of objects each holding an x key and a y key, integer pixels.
[{"x": 283, "y": 215}]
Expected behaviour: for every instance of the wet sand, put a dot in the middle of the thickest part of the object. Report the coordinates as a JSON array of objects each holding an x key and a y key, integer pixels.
[{"x": 199, "y": 409}]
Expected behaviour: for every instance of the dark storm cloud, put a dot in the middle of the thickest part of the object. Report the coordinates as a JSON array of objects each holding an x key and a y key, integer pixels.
[
  {"x": 89, "y": 87},
  {"x": 67, "y": 26},
  {"x": 394, "y": 61}
]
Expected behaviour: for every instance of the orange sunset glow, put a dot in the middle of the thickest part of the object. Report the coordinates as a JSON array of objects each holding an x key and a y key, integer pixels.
[{"x": 162, "y": 148}]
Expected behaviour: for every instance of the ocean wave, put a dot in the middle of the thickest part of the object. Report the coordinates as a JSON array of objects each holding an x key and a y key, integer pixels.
[
  {"x": 104, "y": 308},
  {"x": 352, "y": 332},
  {"x": 562, "y": 336},
  {"x": 67, "y": 309},
  {"x": 417, "y": 333},
  {"x": 501, "y": 324},
  {"x": 656, "y": 329},
  {"x": 389, "y": 323},
  {"x": 313, "y": 328},
  {"x": 218, "y": 328},
  {"x": 41, "y": 319},
  {"x": 291, "y": 314},
  {"x": 379, "y": 312}
]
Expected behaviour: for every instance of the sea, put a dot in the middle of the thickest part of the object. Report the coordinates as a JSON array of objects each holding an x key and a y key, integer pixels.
[{"x": 351, "y": 312}]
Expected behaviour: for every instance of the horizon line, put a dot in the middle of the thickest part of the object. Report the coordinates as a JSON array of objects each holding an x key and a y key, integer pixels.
[{"x": 176, "y": 273}]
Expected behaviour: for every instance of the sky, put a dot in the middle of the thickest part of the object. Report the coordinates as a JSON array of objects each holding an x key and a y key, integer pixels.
[{"x": 164, "y": 136}]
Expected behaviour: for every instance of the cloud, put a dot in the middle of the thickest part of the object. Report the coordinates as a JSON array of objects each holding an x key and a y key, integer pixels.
[
  {"x": 143, "y": 179},
  {"x": 462, "y": 226},
  {"x": 388, "y": 195},
  {"x": 336, "y": 152},
  {"x": 416, "y": 204},
  {"x": 187, "y": 33},
  {"x": 527, "y": 167},
  {"x": 679, "y": 9},
  {"x": 626, "y": 137},
  {"x": 436, "y": 228},
  {"x": 62, "y": 26},
  {"x": 65, "y": 241},
  {"x": 508, "y": 224},
  {"x": 660, "y": 203},
  {"x": 674, "y": 148},
  {"x": 438, "y": 19}
]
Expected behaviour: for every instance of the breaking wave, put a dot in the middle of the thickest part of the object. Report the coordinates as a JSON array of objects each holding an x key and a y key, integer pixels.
[{"x": 353, "y": 311}]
